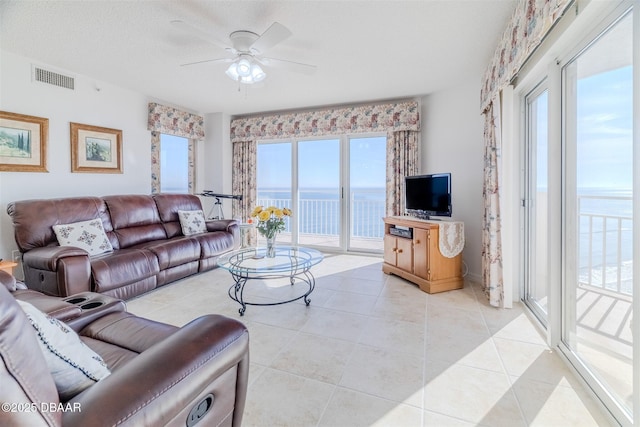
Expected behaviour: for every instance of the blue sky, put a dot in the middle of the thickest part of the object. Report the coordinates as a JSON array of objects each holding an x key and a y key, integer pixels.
[
  {"x": 605, "y": 126},
  {"x": 604, "y": 131}
]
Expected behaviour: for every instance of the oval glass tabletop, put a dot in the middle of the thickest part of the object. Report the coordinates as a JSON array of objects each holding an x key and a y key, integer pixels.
[{"x": 287, "y": 259}]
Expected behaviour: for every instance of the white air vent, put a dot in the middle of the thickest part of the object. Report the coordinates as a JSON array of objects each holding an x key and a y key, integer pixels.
[{"x": 52, "y": 78}]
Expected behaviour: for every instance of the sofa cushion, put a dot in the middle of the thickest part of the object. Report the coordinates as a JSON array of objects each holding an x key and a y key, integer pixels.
[
  {"x": 88, "y": 235},
  {"x": 174, "y": 252},
  {"x": 135, "y": 219},
  {"x": 168, "y": 206},
  {"x": 73, "y": 365},
  {"x": 123, "y": 267},
  {"x": 33, "y": 220},
  {"x": 192, "y": 222},
  {"x": 214, "y": 243}
]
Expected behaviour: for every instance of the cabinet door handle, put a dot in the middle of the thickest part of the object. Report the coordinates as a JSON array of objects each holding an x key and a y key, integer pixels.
[
  {"x": 395, "y": 249},
  {"x": 417, "y": 242},
  {"x": 399, "y": 251}
]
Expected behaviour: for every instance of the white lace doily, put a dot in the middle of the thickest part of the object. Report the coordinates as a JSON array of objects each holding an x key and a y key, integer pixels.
[{"x": 451, "y": 238}]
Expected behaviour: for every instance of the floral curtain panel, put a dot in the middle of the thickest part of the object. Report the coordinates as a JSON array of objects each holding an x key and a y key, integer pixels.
[
  {"x": 360, "y": 119},
  {"x": 402, "y": 160},
  {"x": 491, "y": 230},
  {"x": 168, "y": 120},
  {"x": 155, "y": 162},
  {"x": 530, "y": 22},
  {"x": 244, "y": 157}
]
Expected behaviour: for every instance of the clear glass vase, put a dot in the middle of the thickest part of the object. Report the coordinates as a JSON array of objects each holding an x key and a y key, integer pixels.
[{"x": 271, "y": 246}]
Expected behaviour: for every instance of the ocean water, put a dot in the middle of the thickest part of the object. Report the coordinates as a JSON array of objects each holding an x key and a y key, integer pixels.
[{"x": 319, "y": 209}]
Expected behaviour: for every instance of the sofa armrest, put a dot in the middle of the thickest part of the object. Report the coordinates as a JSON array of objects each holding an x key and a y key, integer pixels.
[
  {"x": 53, "y": 306},
  {"x": 57, "y": 270},
  {"x": 46, "y": 258},
  {"x": 221, "y": 225},
  {"x": 230, "y": 226},
  {"x": 8, "y": 281},
  {"x": 161, "y": 386}
]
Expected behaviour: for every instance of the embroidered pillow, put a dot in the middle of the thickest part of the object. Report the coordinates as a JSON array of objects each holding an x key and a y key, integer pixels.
[
  {"x": 192, "y": 222},
  {"x": 73, "y": 365},
  {"x": 88, "y": 235}
]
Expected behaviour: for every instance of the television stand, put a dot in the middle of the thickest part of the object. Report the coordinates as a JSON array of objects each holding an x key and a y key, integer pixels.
[{"x": 418, "y": 258}]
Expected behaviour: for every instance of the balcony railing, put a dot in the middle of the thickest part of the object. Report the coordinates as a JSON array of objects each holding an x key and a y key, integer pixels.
[
  {"x": 606, "y": 257},
  {"x": 319, "y": 213}
]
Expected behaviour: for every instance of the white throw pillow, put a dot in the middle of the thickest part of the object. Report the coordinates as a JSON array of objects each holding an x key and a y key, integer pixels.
[
  {"x": 192, "y": 222},
  {"x": 73, "y": 365},
  {"x": 88, "y": 235}
]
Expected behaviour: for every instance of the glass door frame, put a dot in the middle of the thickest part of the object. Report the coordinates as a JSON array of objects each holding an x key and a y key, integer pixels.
[
  {"x": 577, "y": 33},
  {"x": 529, "y": 199},
  {"x": 569, "y": 274},
  {"x": 348, "y": 207},
  {"x": 344, "y": 183}
]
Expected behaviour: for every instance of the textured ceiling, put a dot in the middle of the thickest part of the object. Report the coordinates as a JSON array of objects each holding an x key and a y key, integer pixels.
[{"x": 364, "y": 50}]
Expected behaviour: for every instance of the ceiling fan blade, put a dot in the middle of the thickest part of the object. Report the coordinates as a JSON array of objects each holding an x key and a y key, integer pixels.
[
  {"x": 274, "y": 35},
  {"x": 297, "y": 67},
  {"x": 207, "y": 60},
  {"x": 183, "y": 26}
]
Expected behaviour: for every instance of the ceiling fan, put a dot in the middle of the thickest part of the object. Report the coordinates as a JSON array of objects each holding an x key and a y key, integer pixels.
[{"x": 248, "y": 49}]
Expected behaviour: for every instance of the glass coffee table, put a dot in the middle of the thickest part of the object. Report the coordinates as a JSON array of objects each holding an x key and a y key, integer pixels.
[{"x": 292, "y": 262}]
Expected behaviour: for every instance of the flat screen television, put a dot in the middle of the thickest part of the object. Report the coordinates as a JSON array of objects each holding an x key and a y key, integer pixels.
[{"x": 428, "y": 195}]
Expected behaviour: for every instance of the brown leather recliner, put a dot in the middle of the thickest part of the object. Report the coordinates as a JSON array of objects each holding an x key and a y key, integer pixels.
[{"x": 160, "y": 375}]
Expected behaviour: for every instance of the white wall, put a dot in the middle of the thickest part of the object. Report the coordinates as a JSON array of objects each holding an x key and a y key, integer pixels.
[
  {"x": 110, "y": 107},
  {"x": 452, "y": 141},
  {"x": 216, "y": 168}
]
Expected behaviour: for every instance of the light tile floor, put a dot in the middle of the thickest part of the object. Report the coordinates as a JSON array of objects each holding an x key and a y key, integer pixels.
[{"x": 373, "y": 349}]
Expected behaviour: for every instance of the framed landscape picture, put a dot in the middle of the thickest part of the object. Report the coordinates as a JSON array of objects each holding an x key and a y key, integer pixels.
[
  {"x": 95, "y": 149},
  {"x": 23, "y": 143}
]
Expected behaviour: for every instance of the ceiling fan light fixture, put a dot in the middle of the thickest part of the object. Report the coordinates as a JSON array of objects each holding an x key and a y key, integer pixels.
[
  {"x": 257, "y": 74},
  {"x": 232, "y": 72},
  {"x": 245, "y": 71},
  {"x": 244, "y": 67}
]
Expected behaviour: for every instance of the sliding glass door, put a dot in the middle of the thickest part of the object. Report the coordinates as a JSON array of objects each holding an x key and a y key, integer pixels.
[
  {"x": 598, "y": 214},
  {"x": 274, "y": 176},
  {"x": 535, "y": 202},
  {"x": 319, "y": 193},
  {"x": 335, "y": 187},
  {"x": 367, "y": 191}
]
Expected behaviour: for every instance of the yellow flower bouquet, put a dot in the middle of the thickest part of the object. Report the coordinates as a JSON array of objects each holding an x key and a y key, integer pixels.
[{"x": 270, "y": 220}]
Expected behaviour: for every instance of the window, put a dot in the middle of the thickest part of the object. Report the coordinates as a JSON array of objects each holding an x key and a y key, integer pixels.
[{"x": 174, "y": 164}]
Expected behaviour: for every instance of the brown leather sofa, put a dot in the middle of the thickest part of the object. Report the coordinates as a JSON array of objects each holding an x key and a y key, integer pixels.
[
  {"x": 160, "y": 375},
  {"x": 145, "y": 232}
]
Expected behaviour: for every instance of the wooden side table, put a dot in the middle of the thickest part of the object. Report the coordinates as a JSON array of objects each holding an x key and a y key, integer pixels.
[{"x": 8, "y": 266}]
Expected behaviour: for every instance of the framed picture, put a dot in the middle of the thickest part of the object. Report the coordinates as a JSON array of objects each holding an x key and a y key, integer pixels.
[
  {"x": 95, "y": 149},
  {"x": 23, "y": 143}
]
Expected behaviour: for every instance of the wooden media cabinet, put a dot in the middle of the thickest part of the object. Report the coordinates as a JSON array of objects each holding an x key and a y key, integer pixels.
[{"x": 412, "y": 252}]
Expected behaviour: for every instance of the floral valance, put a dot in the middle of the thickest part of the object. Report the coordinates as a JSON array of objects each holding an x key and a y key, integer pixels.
[
  {"x": 359, "y": 119},
  {"x": 168, "y": 120},
  {"x": 531, "y": 21}
]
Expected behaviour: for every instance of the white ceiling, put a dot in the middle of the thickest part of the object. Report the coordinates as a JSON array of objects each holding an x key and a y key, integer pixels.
[{"x": 364, "y": 50}]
